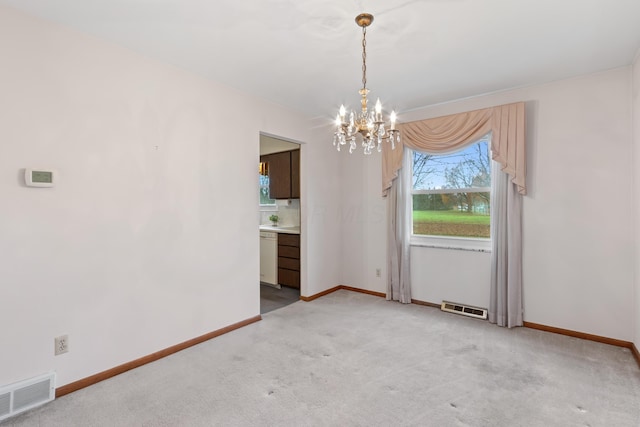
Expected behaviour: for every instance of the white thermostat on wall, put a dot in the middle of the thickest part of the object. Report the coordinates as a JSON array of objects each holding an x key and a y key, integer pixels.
[{"x": 40, "y": 177}]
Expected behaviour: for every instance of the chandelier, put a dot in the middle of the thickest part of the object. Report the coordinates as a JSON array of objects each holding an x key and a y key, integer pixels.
[{"x": 368, "y": 124}]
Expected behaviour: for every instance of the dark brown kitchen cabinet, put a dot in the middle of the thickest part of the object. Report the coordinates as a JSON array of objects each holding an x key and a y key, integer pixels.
[
  {"x": 284, "y": 174},
  {"x": 279, "y": 174},
  {"x": 295, "y": 174},
  {"x": 289, "y": 260}
]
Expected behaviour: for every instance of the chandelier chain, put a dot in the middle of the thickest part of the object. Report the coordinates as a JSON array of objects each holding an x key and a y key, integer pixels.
[{"x": 364, "y": 57}]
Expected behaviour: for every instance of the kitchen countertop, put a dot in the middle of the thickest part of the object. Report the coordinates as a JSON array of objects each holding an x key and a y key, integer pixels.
[{"x": 286, "y": 230}]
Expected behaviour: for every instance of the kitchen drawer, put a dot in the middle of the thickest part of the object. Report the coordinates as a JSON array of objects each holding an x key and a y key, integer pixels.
[
  {"x": 289, "y": 239},
  {"x": 288, "y": 252},
  {"x": 289, "y": 278},
  {"x": 289, "y": 263}
]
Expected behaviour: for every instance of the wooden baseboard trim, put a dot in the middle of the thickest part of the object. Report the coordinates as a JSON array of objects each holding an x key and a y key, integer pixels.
[
  {"x": 93, "y": 379},
  {"x": 364, "y": 291},
  {"x": 321, "y": 294},
  {"x": 575, "y": 334},
  {"x": 346, "y": 288},
  {"x": 428, "y": 304}
]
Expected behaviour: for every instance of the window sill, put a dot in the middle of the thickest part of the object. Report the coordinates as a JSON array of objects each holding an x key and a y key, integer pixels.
[
  {"x": 455, "y": 243},
  {"x": 268, "y": 208}
]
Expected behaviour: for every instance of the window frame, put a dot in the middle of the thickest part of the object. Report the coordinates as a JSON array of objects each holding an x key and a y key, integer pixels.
[{"x": 478, "y": 244}]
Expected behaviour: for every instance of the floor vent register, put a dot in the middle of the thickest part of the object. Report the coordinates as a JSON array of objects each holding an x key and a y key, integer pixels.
[
  {"x": 465, "y": 310},
  {"x": 24, "y": 395}
]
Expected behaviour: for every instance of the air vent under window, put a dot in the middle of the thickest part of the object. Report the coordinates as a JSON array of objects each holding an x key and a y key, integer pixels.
[{"x": 465, "y": 310}]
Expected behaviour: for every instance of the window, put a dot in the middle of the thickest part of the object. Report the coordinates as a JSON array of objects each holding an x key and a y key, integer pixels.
[
  {"x": 451, "y": 193},
  {"x": 264, "y": 191}
]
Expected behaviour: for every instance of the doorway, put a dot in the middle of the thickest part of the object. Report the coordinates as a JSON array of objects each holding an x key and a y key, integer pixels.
[{"x": 279, "y": 207}]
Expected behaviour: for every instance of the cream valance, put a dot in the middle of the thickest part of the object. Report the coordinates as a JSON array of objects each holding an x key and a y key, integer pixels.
[{"x": 453, "y": 132}]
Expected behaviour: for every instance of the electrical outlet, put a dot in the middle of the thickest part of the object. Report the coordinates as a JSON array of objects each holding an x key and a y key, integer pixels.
[
  {"x": 61, "y": 344},
  {"x": 378, "y": 272}
]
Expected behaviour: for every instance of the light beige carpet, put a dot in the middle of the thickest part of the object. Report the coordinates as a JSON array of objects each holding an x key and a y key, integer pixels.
[{"x": 349, "y": 359}]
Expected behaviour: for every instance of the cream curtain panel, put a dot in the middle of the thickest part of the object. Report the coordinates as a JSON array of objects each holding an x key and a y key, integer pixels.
[
  {"x": 451, "y": 133},
  {"x": 505, "y": 302},
  {"x": 398, "y": 232}
]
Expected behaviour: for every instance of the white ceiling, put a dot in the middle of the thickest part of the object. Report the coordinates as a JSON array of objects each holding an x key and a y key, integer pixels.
[{"x": 306, "y": 54}]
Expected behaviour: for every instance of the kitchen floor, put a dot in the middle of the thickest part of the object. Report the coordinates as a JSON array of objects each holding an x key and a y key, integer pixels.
[{"x": 272, "y": 298}]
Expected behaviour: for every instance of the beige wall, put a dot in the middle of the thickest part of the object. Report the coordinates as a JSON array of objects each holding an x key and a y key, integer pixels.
[
  {"x": 150, "y": 237},
  {"x": 578, "y": 262}
]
